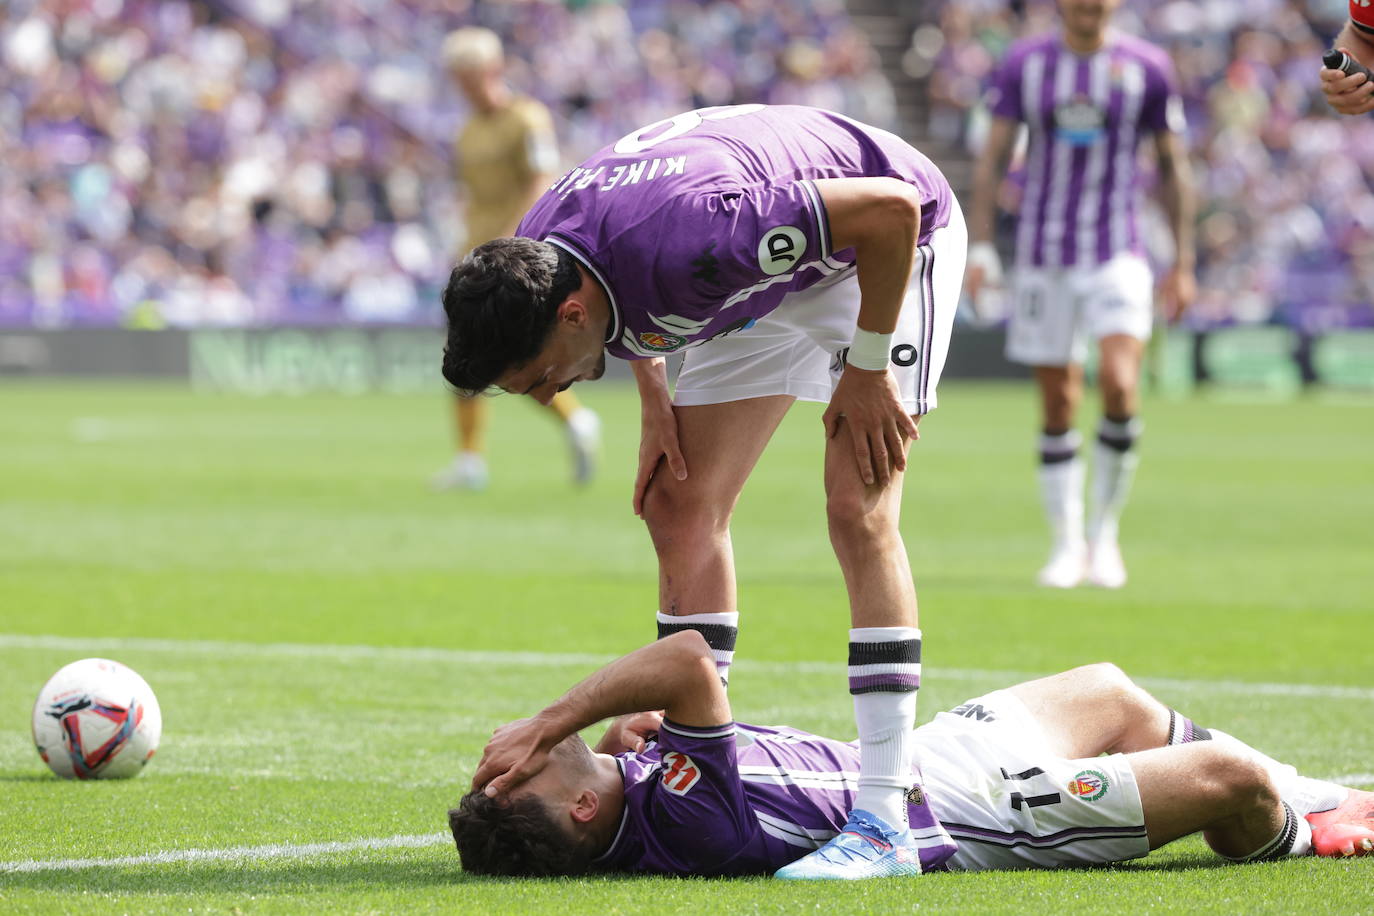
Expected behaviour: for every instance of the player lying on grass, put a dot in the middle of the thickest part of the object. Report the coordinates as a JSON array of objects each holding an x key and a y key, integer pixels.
[{"x": 1011, "y": 779}]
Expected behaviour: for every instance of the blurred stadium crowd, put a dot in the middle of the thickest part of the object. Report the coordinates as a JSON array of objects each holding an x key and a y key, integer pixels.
[
  {"x": 264, "y": 161},
  {"x": 273, "y": 161},
  {"x": 1286, "y": 190}
]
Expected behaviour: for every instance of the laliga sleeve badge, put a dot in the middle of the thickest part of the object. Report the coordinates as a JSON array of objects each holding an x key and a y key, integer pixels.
[{"x": 679, "y": 773}]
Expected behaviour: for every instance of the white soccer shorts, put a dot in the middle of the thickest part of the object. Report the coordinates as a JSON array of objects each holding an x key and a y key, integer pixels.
[
  {"x": 1057, "y": 310},
  {"x": 795, "y": 350},
  {"x": 1011, "y": 803}
]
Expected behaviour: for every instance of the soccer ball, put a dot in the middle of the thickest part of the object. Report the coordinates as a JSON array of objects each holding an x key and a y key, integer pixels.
[{"x": 96, "y": 719}]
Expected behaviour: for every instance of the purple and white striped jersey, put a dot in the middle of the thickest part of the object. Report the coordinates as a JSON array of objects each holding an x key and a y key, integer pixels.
[
  {"x": 1086, "y": 116},
  {"x": 743, "y": 799},
  {"x": 699, "y": 225}
]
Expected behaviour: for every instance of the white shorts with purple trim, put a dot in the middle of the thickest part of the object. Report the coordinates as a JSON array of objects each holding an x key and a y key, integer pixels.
[
  {"x": 1058, "y": 310},
  {"x": 798, "y": 349},
  {"x": 1010, "y": 803}
]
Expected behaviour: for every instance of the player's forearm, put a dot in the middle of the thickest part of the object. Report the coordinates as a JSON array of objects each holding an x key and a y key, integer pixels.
[
  {"x": 987, "y": 175},
  {"x": 1180, "y": 205},
  {"x": 880, "y": 219},
  {"x": 651, "y": 378},
  {"x": 988, "y": 172},
  {"x": 676, "y": 674},
  {"x": 1360, "y": 44}
]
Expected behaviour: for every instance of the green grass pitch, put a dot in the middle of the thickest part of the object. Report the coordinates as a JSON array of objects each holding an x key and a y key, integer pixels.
[{"x": 331, "y": 643}]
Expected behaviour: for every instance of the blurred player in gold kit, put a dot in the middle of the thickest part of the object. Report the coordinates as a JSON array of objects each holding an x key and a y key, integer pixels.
[{"x": 506, "y": 157}]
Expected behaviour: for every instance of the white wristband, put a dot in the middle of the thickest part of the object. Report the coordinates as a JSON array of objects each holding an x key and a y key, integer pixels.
[{"x": 870, "y": 350}]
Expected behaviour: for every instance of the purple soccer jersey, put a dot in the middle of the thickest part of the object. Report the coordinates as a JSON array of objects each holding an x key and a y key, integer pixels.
[
  {"x": 701, "y": 224},
  {"x": 743, "y": 799},
  {"x": 1086, "y": 116}
]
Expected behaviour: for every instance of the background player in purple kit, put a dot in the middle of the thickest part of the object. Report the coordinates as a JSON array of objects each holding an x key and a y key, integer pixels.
[
  {"x": 1088, "y": 96},
  {"x": 1011, "y": 779},
  {"x": 799, "y": 254}
]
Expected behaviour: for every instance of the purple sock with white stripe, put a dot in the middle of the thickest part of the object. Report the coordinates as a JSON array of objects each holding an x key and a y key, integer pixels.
[
  {"x": 720, "y": 630},
  {"x": 1182, "y": 730},
  {"x": 884, "y": 672}
]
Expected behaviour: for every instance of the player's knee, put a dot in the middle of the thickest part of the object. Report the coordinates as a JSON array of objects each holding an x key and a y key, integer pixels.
[
  {"x": 1104, "y": 680},
  {"x": 678, "y": 518},
  {"x": 1238, "y": 780},
  {"x": 853, "y": 521},
  {"x": 1113, "y": 689}
]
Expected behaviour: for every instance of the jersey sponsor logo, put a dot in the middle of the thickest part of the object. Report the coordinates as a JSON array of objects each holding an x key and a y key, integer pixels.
[
  {"x": 1089, "y": 785},
  {"x": 781, "y": 249},
  {"x": 662, "y": 343},
  {"x": 1078, "y": 122},
  {"x": 679, "y": 773}
]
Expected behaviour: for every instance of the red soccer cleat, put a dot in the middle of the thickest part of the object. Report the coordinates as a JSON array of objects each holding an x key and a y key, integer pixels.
[{"x": 1346, "y": 830}]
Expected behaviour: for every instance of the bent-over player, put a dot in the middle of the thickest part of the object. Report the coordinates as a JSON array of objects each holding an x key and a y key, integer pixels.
[
  {"x": 792, "y": 253},
  {"x": 1011, "y": 779}
]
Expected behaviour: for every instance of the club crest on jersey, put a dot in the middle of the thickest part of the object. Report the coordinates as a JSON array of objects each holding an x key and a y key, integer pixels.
[
  {"x": 1089, "y": 785},
  {"x": 661, "y": 343},
  {"x": 781, "y": 250},
  {"x": 679, "y": 773}
]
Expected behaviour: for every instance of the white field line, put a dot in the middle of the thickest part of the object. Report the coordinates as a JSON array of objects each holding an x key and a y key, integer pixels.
[
  {"x": 1353, "y": 779},
  {"x": 409, "y": 655},
  {"x": 231, "y": 854}
]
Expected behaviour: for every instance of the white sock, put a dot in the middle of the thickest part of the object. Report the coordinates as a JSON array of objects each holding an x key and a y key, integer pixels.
[
  {"x": 584, "y": 422},
  {"x": 1114, "y": 462},
  {"x": 1061, "y": 486},
  {"x": 884, "y": 672},
  {"x": 720, "y": 629},
  {"x": 1303, "y": 793}
]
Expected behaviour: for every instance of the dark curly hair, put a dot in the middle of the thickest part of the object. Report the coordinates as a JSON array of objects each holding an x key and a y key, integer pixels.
[
  {"x": 502, "y": 302},
  {"x": 515, "y": 838}
]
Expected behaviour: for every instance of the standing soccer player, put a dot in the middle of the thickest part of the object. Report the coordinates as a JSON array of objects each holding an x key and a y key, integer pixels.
[
  {"x": 506, "y": 156},
  {"x": 1088, "y": 96},
  {"x": 798, "y": 254}
]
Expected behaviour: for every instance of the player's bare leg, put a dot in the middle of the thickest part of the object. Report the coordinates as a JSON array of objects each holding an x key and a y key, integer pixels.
[
  {"x": 468, "y": 469},
  {"x": 884, "y": 671},
  {"x": 1061, "y": 474},
  {"x": 1114, "y": 455},
  {"x": 1221, "y": 792},
  {"x": 689, "y": 520},
  {"x": 863, "y": 523},
  {"x": 1097, "y": 709}
]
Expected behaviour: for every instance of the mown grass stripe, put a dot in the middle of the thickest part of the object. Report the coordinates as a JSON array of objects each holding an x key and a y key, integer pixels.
[{"x": 409, "y": 654}]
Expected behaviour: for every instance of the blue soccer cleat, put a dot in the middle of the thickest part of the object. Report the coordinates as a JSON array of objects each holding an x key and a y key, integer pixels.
[{"x": 868, "y": 847}]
